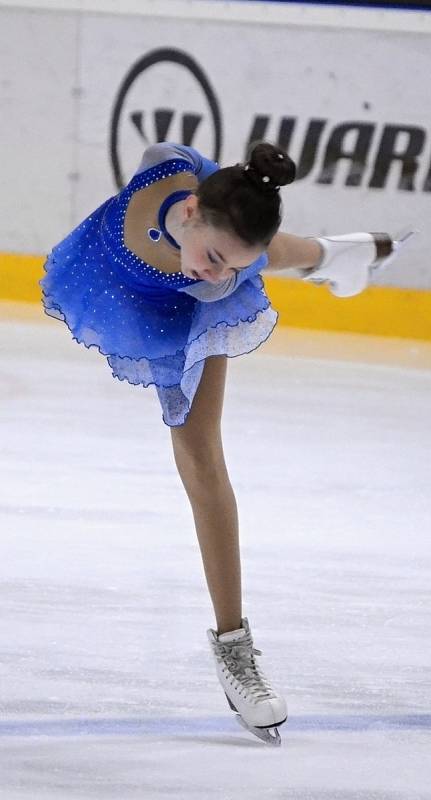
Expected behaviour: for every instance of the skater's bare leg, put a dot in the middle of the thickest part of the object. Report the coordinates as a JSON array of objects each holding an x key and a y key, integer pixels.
[{"x": 198, "y": 453}]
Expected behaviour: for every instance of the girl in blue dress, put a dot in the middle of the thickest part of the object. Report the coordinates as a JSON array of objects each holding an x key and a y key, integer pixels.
[{"x": 164, "y": 279}]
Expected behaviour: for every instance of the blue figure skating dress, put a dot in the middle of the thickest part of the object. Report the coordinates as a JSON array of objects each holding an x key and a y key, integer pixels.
[{"x": 153, "y": 327}]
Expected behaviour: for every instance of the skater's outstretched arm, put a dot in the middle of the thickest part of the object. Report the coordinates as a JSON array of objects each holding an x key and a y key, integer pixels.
[
  {"x": 287, "y": 251},
  {"x": 346, "y": 262}
]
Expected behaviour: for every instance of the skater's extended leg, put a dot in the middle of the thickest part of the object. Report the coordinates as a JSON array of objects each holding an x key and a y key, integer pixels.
[{"x": 198, "y": 453}]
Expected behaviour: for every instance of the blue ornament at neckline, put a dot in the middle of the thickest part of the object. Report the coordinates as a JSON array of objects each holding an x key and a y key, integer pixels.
[{"x": 154, "y": 233}]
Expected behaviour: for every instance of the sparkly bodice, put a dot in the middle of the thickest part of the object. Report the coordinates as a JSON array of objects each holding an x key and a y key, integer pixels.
[
  {"x": 136, "y": 271},
  {"x": 152, "y": 326}
]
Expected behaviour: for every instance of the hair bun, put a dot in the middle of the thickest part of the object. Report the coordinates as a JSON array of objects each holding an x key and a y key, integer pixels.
[{"x": 269, "y": 167}]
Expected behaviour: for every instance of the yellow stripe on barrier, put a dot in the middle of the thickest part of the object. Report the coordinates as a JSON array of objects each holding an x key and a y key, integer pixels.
[
  {"x": 380, "y": 310},
  {"x": 19, "y": 275}
]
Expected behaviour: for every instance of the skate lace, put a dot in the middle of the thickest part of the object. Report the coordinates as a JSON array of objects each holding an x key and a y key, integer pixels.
[{"x": 240, "y": 661}]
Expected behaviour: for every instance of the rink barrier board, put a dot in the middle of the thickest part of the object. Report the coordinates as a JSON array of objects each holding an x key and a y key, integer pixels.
[
  {"x": 98, "y": 146},
  {"x": 339, "y": 15},
  {"x": 379, "y": 310}
]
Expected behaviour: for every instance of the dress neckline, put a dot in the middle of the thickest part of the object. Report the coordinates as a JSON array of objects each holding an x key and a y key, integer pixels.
[
  {"x": 169, "y": 201},
  {"x": 113, "y": 230}
]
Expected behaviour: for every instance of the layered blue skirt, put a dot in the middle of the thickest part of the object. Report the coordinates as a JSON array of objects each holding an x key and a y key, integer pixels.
[{"x": 149, "y": 331}]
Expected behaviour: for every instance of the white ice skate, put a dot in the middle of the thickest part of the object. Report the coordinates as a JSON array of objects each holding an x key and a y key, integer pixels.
[
  {"x": 259, "y": 707},
  {"x": 349, "y": 260}
]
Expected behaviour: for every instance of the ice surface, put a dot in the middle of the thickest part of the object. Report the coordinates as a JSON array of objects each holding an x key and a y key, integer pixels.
[{"x": 107, "y": 685}]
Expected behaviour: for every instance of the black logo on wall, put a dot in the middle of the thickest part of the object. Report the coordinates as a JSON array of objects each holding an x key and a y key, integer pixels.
[
  {"x": 355, "y": 146},
  {"x": 181, "y": 83}
]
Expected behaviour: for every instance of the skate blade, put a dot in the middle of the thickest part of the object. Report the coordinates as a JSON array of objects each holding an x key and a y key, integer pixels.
[
  {"x": 262, "y": 733},
  {"x": 401, "y": 238}
]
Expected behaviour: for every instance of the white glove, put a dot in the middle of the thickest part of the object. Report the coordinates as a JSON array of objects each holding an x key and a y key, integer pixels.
[{"x": 349, "y": 260}]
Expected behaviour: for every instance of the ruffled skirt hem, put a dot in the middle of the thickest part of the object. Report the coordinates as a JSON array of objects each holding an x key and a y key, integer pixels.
[{"x": 176, "y": 397}]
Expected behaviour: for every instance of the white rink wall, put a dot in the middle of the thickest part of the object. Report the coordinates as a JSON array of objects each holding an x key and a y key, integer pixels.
[{"x": 86, "y": 87}]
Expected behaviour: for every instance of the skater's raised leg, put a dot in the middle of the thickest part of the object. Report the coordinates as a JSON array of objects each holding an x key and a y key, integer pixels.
[{"x": 199, "y": 457}]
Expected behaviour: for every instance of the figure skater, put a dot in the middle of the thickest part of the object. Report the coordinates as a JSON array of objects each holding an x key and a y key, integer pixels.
[{"x": 164, "y": 278}]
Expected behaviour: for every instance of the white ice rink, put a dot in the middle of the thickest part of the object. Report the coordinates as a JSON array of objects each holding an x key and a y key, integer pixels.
[{"x": 108, "y": 689}]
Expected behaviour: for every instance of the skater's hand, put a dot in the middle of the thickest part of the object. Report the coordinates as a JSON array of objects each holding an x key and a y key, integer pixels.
[{"x": 349, "y": 261}]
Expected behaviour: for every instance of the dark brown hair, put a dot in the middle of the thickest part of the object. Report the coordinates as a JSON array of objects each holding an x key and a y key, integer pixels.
[{"x": 238, "y": 200}]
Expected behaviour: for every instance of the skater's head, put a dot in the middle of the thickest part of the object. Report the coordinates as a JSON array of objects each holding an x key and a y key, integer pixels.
[{"x": 234, "y": 213}]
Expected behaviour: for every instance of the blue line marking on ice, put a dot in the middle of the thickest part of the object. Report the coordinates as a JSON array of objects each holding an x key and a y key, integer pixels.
[{"x": 187, "y": 726}]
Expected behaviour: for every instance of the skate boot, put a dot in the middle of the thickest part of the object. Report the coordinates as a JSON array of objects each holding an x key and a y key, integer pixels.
[
  {"x": 348, "y": 261},
  {"x": 259, "y": 707}
]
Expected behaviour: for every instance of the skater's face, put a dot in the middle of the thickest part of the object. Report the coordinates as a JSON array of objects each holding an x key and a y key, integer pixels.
[{"x": 209, "y": 253}]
